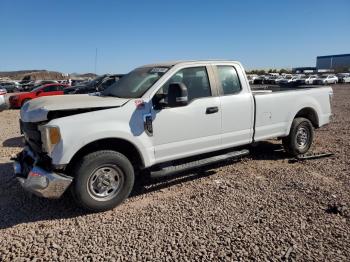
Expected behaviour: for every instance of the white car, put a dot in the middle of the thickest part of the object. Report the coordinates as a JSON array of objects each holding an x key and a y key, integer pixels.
[
  {"x": 157, "y": 119},
  {"x": 326, "y": 79},
  {"x": 2, "y": 99},
  {"x": 288, "y": 79},
  {"x": 343, "y": 77},
  {"x": 310, "y": 79},
  {"x": 346, "y": 79}
]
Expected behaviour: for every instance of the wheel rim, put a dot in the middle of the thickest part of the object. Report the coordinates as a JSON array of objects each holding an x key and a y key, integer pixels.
[
  {"x": 105, "y": 182},
  {"x": 302, "y": 137}
]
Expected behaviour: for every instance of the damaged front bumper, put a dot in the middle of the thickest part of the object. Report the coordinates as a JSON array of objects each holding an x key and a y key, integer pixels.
[{"x": 39, "y": 180}]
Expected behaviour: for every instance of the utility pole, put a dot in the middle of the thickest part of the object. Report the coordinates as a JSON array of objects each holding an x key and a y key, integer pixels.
[{"x": 96, "y": 61}]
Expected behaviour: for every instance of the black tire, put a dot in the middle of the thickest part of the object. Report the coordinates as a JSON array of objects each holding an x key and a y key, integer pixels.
[
  {"x": 300, "y": 137},
  {"x": 89, "y": 179},
  {"x": 24, "y": 101}
]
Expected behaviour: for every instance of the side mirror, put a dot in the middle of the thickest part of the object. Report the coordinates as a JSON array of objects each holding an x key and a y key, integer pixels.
[{"x": 177, "y": 95}]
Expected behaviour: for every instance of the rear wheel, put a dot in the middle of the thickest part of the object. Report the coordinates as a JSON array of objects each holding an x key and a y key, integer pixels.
[
  {"x": 300, "y": 137},
  {"x": 102, "y": 180}
]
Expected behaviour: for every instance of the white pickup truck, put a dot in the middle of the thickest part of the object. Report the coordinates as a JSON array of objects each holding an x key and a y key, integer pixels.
[{"x": 160, "y": 118}]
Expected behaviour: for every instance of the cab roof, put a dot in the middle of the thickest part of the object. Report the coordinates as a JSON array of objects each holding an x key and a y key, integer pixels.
[{"x": 173, "y": 63}]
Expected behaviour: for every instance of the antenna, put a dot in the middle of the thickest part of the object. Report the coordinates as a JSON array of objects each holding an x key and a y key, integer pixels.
[{"x": 95, "y": 60}]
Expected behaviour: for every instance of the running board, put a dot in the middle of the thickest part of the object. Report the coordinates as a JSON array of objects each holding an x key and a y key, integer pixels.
[{"x": 169, "y": 170}]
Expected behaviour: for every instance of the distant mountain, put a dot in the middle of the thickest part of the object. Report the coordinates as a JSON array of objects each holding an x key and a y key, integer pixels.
[{"x": 42, "y": 75}]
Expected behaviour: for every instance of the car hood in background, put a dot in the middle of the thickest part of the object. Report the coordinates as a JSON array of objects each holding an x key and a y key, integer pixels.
[{"x": 37, "y": 109}]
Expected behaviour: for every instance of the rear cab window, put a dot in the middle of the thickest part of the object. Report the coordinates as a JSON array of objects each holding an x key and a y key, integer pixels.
[{"x": 228, "y": 80}]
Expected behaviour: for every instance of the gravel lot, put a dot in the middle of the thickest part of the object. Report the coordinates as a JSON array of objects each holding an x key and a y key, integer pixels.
[{"x": 260, "y": 208}]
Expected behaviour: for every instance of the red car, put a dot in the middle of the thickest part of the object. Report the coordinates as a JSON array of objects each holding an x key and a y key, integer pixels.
[{"x": 18, "y": 100}]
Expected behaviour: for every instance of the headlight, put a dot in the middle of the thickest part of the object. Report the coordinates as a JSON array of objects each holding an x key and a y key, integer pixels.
[{"x": 50, "y": 136}]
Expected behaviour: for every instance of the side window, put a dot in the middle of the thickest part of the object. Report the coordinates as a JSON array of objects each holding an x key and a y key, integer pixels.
[
  {"x": 229, "y": 79},
  {"x": 196, "y": 80},
  {"x": 60, "y": 88},
  {"x": 50, "y": 88}
]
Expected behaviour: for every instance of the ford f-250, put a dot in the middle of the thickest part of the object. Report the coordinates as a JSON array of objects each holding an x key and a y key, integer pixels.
[{"x": 161, "y": 118}]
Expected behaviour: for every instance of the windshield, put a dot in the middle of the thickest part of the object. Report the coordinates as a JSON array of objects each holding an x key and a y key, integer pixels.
[
  {"x": 37, "y": 88},
  {"x": 136, "y": 83}
]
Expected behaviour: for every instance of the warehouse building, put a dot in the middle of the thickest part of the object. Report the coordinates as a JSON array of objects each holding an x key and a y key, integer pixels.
[
  {"x": 333, "y": 62},
  {"x": 304, "y": 70}
]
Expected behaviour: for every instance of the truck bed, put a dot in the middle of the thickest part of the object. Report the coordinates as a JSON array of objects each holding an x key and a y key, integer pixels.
[
  {"x": 257, "y": 90},
  {"x": 276, "y": 106}
]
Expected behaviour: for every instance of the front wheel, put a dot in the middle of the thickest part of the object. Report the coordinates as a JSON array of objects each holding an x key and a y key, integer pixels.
[
  {"x": 102, "y": 180},
  {"x": 300, "y": 137}
]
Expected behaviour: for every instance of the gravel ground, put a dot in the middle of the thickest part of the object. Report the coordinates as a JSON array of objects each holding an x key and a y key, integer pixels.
[{"x": 260, "y": 208}]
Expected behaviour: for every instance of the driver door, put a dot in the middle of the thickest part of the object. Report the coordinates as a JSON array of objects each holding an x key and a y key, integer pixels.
[
  {"x": 49, "y": 91},
  {"x": 191, "y": 129}
]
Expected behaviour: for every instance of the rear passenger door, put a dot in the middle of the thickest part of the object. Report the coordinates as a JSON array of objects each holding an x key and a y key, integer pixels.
[
  {"x": 237, "y": 106},
  {"x": 192, "y": 129}
]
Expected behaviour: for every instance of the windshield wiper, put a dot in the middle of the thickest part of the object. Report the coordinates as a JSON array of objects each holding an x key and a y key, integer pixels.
[{"x": 108, "y": 94}]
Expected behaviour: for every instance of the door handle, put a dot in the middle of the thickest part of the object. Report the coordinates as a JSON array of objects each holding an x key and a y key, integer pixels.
[{"x": 212, "y": 110}]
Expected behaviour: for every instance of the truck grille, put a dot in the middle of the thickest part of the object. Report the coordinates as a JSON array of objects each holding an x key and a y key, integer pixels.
[{"x": 32, "y": 135}]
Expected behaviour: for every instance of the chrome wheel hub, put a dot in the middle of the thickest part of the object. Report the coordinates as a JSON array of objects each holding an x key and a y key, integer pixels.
[
  {"x": 105, "y": 182},
  {"x": 302, "y": 137}
]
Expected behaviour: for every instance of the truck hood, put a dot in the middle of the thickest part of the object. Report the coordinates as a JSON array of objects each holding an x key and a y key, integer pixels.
[{"x": 38, "y": 109}]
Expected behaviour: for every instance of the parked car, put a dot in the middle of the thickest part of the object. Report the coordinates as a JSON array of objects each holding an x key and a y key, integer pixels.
[
  {"x": 260, "y": 80},
  {"x": 9, "y": 86},
  {"x": 326, "y": 79},
  {"x": 2, "y": 99},
  {"x": 345, "y": 79},
  {"x": 97, "y": 85},
  {"x": 75, "y": 82},
  {"x": 18, "y": 100},
  {"x": 279, "y": 79},
  {"x": 288, "y": 79},
  {"x": 25, "y": 85},
  {"x": 341, "y": 76},
  {"x": 311, "y": 79},
  {"x": 250, "y": 79},
  {"x": 44, "y": 82},
  {"x": 306, "y": 80},
  {"x": 160, "y": 119},
  {"x": 271, "y": 79}
]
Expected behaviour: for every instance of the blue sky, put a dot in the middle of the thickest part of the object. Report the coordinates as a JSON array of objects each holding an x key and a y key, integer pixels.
[{"x": 63, "y": 35}]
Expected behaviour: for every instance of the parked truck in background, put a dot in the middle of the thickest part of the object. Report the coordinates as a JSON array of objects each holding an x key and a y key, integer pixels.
[{"x": 160, "y": 118}]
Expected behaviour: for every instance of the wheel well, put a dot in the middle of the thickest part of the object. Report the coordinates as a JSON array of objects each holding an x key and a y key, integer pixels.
[
  {"x": 122, "y": 146},
  {"x": 309, "y": 113}
]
